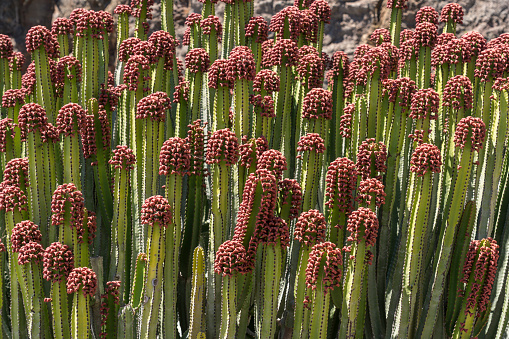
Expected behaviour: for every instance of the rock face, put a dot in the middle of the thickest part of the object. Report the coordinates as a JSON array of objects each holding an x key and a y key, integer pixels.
[{"x": 351, "y": 24}]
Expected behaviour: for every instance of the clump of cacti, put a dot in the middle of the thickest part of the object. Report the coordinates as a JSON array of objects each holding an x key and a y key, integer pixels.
[{"x": 257, "y": 187}]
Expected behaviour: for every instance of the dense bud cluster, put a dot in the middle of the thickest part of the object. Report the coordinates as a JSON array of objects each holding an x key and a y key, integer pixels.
[
  {"x": 241, "y": 64},
  {"x": 331, "y": 269},
  {"x": 317, "y": 104},
  {"x": 363, "y": 225},
  {"x": 231, "y": 258},
  {"x": 218, "y": 74},
  {"x": 132, "y": 71},
  {"x": 267, "y": 80},
  {"x": 309, "y": 25},
  {"x": 310, "y": 228},
  {"x": 490, "y": 64},
  {"x": 212, "y": 23},
  {"x": 223, "y": 145},
  {"x": 345, "y": 124},
  {"x": 481, "y": 263},
  {"x": 501, "y": 84},
  {"x": 16, "y": 172},
  {"x": 274, "y": 161},
  {"x": 371, "y": 188},
  {"x": 38, "y": 36},
  {"x": 197, "y": 60},
  {"x": 153, "y": 106},
  {"x": 273, "y": 231},
  {"x": 284, "y": 53},
  {"x": 290, "y": 15},
  {"x": 322, "y": 9},
  {"x": 311, "y": 142},
  {"x": 62, "y": 26},
  {"x": 379, "y": 36},
  {"x": 156, "y": 211},
  {"x": 452, "y": 12},
  {"x": 122, "y": 9},
  {"x": 70, "y": 116},
  {"x": 425, "y": 103},
  {"x": 341, "y": 180},
  {"x": 251, "y": 150},
  {"x": 290, "y": 187},
  {"x": 32, "y": 117},
  {"x": 127, "y": 48},
  {"x": 16, "y": 61},
  {"x": 474, "y": 42},
  {"x": 473, "y": 127},
  {"x": 67, "y": 194},
  {"x": 310, "y": 70},
  {"x": 257, "y": 26},
  {"x": 12, "y": 198},
  {"x": 426, "y": 158},
  {"x": 31, "y": 252},
  {"x": 457, "y": 93},
  {"x": 175, "y": 157},
  {"x": 164, "y": 47},
  {"x": 426, "y": 14},
  {"x": 266, "y": 105},
  {"x": 401, "y": 89},
  {"x": 425, "y": 35},
  {"x": 371, "y": 153},
  {"x": 58, "y": 262},
  {"x": 23, "y": 233},
  {"x": 6, "y": 48},
  {"x": 82, "y": 278},
  {"x": 6, "y": 132},
  {"x": 397, "y": 4},
  {"x": 123, "y": 158}
]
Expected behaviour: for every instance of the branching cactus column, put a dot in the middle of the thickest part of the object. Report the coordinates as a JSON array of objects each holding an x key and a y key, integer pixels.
[
  {"x": 312, "y": 147},
  {"x": 142, "y": 11},
  {"x": 82, "y": 284},
  {"x": 266, "y": 82},
  {"x": 62, "y": 28},
  {"x": 397, "y": 7},
  {"x": 197, "y": 64},
  {"x": 164, "y": 53},
  {"x": 424, "y": 38},
  {"x": 6, "y": 52},
  {"x": 220, "y": 84},
  {"x": 256, "y": 34}
]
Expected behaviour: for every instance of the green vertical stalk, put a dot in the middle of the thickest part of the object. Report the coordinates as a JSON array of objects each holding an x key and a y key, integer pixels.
[
  {"x": 228, "y": 308},
  {"x": 141, "y": 24},
  {"x": 80, "y": 316},
  {"x": 167, "y": 16},
  {"x": 60, "y": 312},
  {"x": 44, "y": 88},
  {"x": 197, "y": 323}
]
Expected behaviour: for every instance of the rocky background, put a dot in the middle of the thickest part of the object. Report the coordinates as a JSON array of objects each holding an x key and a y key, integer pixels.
[{"x": 351, "y": 24}]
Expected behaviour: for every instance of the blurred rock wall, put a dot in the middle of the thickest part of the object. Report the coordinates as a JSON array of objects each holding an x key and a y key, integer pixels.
[{"x": 351, "y": 24}]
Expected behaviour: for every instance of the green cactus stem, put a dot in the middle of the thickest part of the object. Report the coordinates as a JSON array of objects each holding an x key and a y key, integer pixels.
[
  {"x": 323, "y": 275},
  {"x": 211, "y": 29},
  {"x": 363, "y": 227},
  {"x": 479, "y": 273},
  {"x": 396, "y": 15},
  {"x": 220, "y": 84},
  {"x": 310, "y": 230},
  {"x": 197, "y": 64},
  {"x": 69, "y": 73},
  {"x": 39, "y": 136},
  {"x": 424, "y": 37},
  {"x": 164, "y": 53},
  {"x": 312, "y": 147},
  {"x": 141, "y": 11},
  {"x": 256, "y": 34},
  {"x": 452, "y": 14},
  {"x": 42, "y": 46},
  {"x": 197, "y": 322},
  {"x": 13, "y": 100},
  {"x": 316, "y": 113},
  {"x": 3, "y": 330},
  {"x": 82, "y": 284},
  {"x": 323, "y": 12},
  {"x": 122, "y": 161},
  {"x": 469, "y": 138},
  {"x": 425, "y": 161},
  {"x": 474, "y": 43},
  {"x": 266, "y": 82},
  {"x": 62, "y": 28},
  {"x": 16, "y": 63},
  {"x": 230, "y": 261},
  {"x": 58, "y": 263},
  {"x": 157, "y": 213},
  {"x": 123, "y": 12},
  {"x": 7, "y": 52}
]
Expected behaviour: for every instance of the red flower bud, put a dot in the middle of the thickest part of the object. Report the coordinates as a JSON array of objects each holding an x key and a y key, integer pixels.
[
  {"x": 58, "y": 262},
  {"x": 23, "y": 233},
  {"x": 231, "y": 258},
  {"x": 82, "y": 278},
  {"x": 473, "y": 127},
  {"x": 123, "y": 158},
  {"x": 175, "y": 157},
  {"x": 257, "y": 25},
  {"x": 310, "y": 228},
  {"x": 156, "y": 210},
  {"x": 223, "y": 145},
  {"x": 363, "y": 225},
  {"x": 331, "y": 266},
  {"x": 426, "y": 158}
]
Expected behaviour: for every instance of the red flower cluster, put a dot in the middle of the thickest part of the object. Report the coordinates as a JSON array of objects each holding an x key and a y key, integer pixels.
[
  {"x": 291, "y": 18},
  {"x": 458, "y": 93},
  {"x": 424, "y": 104},
  {"x": 425, "y": 35},
  {"x": 322, "y": 9},
  {"x": 345, "y": 123},
  {"x": 290, "y": 187},
  {"x": 309, "y": 25},
  {"x": 266, "y": 105},
  {"x": 16, "y": 172},
  {"x": 153, "y": 106},
  {"x": 452, "y": 12},
  {"x": 132, "y": 71},
  {"x": 127, "y": 48},
  {"x": 175, "y": 157},
  {"x": 473, "y": 127},
  {"x": 397, "y": 4},
  {"x": 331, "y": 270},
  {"x": 62, "y": 26},
  {"x": 241, "y": 64},
  {"x": 12, "y": 97},
  {"x": 257, "y": 26},
  {"x": 400, "y": 89},
  {"x": 310, "y": 70},
  {"x": 490, "y": 64},
  {"x": 310, "y": 228},
  {"x": 426, "y": 14},
  {"x": 341, "y": 180},
  {"x": 197, "y": 60},
  {"x": 32, "y": 117},
  {"x": 475, "y": 43},
  {"x": 212, "y": 23},
  {"x": 371, "y": 188},
  {"x": 58, "y": 262},
  {"x": 267, "y": 80},
  {"x": 273, "y": 230},
  {"x": 371, "y": 152},
  {"x": 30, "y": 252},
  {"x": 67, "y": 193},
  {"x": 38, "y": 36},
  {"x": 164, "y": 47},
  {"x": 6, "y": 47},
  {"x": 82, "y": 278},
  {"x": 425, "y": 158},
  {"x": 311, "y": 142},
  {"x": 363, "y": 225},
  {"x": 6, "y": 131},
  {"x": 123, "y": 158},
  {"x": 223, "y": 145},
  {"x": 70, "y": 116},
  {"x": 317, "y": 104},
  {"x": 231, "y": 258},
  {"x": 380, "y": 36},
  {"x": 274, "y": 161},
  {"x": 284, "y": 53},
  {"x": 156, "y": 210},
  {"x": 12, "y": 197},
  {"x": 122, "y": 9},
  {"x": 23, "y": 233},
  {"x": 251, "y": 150},
  {"x": 218, "y": 74},
  {"x": 196, "y": 140}
]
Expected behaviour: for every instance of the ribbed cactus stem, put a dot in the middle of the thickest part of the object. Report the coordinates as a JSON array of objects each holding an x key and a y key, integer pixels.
[
  {"x": 82, "y": 283},
  {"x": 197, "y": 63},
  {"x": 141, "y": 9},
  {"x": 469, "y": 137},
  {"x": 44, "y": 91},
  {"x": 156, "y": 214},
  {"x": 167, "y": 16},
  {"x": 312, "y": 146},
  {"x": 6, "y": 45},
  {"x": 197, "y": 322},
  {"x": 396, "y": 15},
  {"x": 123, "y": 12}
]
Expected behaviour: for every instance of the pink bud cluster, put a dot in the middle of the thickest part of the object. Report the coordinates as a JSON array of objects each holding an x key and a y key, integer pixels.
[
  {"x": 223, "y": 145},
  {"x": 501, "y": 84},
  {"x": 122, "y": 9},
  {"x": 481, "y": 262},
  {"x": 426, "y": 158},
  {"x": 345, "y": 123},
  {"x": 196, "y": 139},
  {"x": 38, "y": 36},
  {"x": 274, "y": 230},
  {"x": 23, "y": 233},
  {"x": 371, "y": 188},
  {"x": 32, "y": 117},
  {"x": 311, "y": 142},
  {"x": 12, "y": 97},
  {"x": 212, "y": 23},
  {"x": 67, "y": 193},
  {"x": 12, "y": 198},
  {"x": 31, "y": 252},
  {"x": 241, "y": 64},
  {"x": 473, "y": 127},
  {"x": 317, "y": 104},
  {"x": 156, "y": 211},
  {"x": 426, "y": 14},
  {"x": 267, "y": 80},
  {"x": 69, "y": 116},
  {"x": 133, "y": 70},
  {"x": 425, "y": 35},
  {"x": 322, "y": 10},
  {"x": 424, "y": 104},
  {"x": 310, "y": 70},
  {"x": 474, "y": 42},
  {"x": 341, "y": 180},
  {"x": 218, "y": 74},
  {"x": 62, "y": 26},
  {"x": 274, "y": 161},
  {"x": 379, "y": 36},
  {"x": 371, "y": 153},
  {"x": 289, "y": 17},
  {"x": 197, "y": 60},
  {"x": 231, "y": 258},
  {"x": 123, "y": 158},
  {"x": 164, "y": 47},
  {"x": 175, "y": 157},
  {"x": 181, "y": 91},
  {"x": 290, "y": 187},
  {"x": 127, "y": 48},
  {"x": 265, "y": 104},
  {"x": 16, "y": 61},
  {"x": 6, "y": 47},
  {"x": 400, "y": 90},
  {"x": 112, "y": 290},
  {"x": 82, "y": 278},
  {"x": 284, "y": 53},
  {"x": 257, "y": 26},
  {"x": 28, "y": 79},
  {"x": 458, "y": 93},
  {"x": 6, "y": 131},
  {"x": 16, "y": 172},
  {"x": 309, "y": 25},
  {"x": 251, "y": 150},
  {"x": 153, "y": 106},
  {"x": 58, "y": 262},
  {"x": 363, "y": 225},
  {"x": 490, "y": 64},
  {"x": 452, "y": 12},
  {"x": 397, "y": 4},
  {"x": 331, "y": 269},
  {"x": 310, "y": 228}
]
